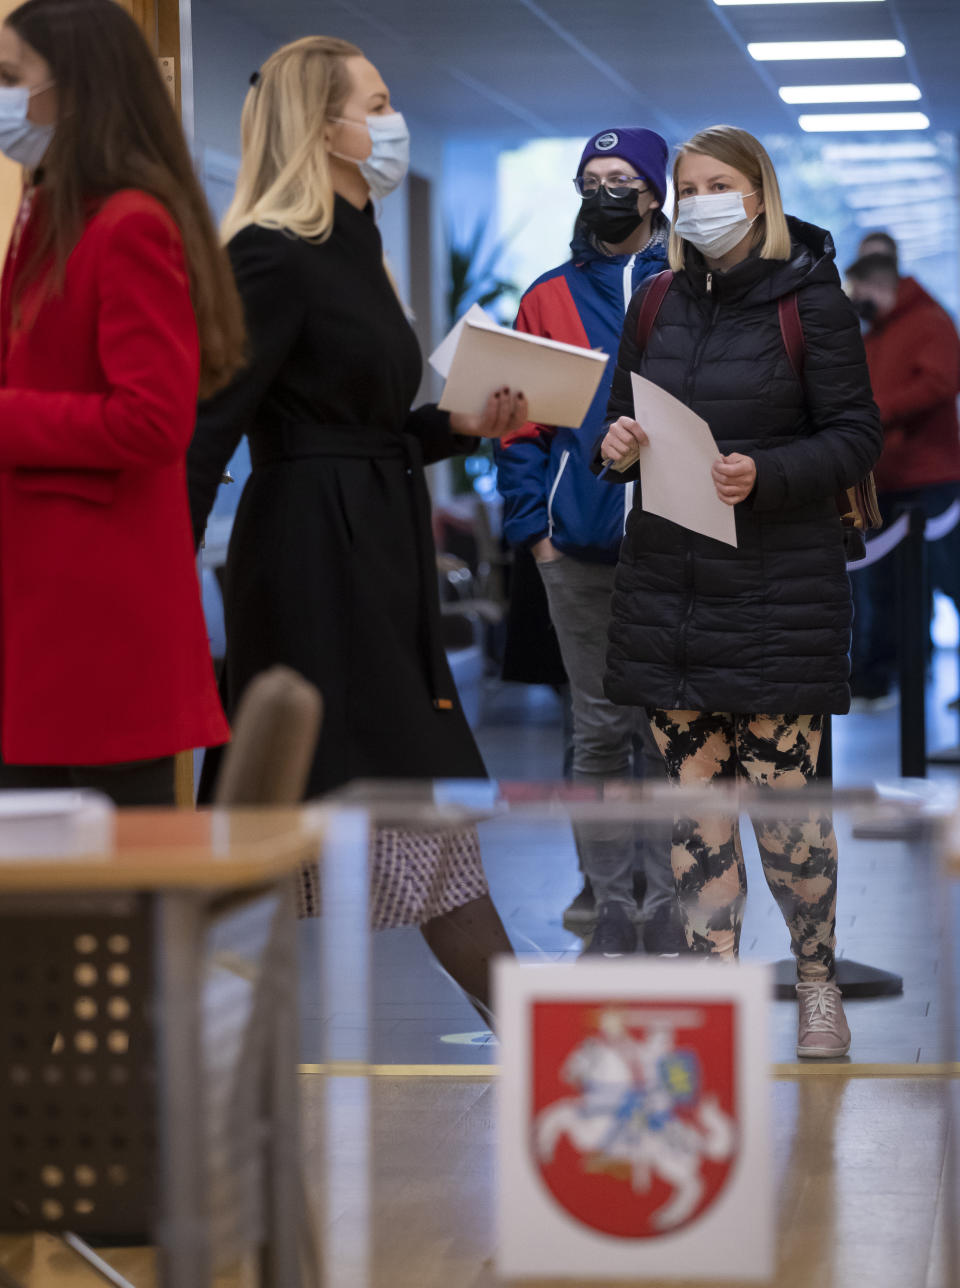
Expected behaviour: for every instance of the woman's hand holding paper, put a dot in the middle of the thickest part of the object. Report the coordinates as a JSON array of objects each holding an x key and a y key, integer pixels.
[
  {"x": 622, "y": 443},
  {"x": 504, "y": 413},
  {"x": 734, "y": 477}
]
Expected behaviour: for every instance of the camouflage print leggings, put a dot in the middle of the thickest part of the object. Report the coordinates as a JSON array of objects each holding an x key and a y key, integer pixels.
[{"x": 799, "y": 857}]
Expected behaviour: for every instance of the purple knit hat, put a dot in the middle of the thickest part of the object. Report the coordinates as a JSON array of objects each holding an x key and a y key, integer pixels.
[{"x": 645, "y": 150}]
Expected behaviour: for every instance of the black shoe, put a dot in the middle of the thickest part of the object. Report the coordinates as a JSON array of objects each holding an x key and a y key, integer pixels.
[
  {"x": 663, "y": 933},
  {"x": 614, "y": 934},
  {"x": 582, "y": 912}
]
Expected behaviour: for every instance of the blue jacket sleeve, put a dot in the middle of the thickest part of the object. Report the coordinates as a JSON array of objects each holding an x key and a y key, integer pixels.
[{"x": 522, "y": 469}]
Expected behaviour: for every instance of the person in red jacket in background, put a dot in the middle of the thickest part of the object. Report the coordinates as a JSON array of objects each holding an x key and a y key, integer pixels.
[
  {"x": 913, "y": 352},
  {"x": 117, "y": 307}
]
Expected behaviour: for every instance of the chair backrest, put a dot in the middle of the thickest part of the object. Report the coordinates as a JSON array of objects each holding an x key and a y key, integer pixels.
[{"x": 275, "y": 733}]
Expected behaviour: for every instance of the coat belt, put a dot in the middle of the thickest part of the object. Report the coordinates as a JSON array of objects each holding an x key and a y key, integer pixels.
[
  {"x": 297, "y": 442},
  {"x": 300, "y": 442}
]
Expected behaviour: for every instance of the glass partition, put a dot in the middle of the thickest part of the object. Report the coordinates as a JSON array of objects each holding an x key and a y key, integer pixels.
[
  {"x": 887, "y": 912},
  {"x": 409, "y": 1103}
]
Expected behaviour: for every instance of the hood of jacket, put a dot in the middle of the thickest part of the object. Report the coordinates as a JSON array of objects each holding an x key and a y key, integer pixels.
[{"x": 756, "y": 281}]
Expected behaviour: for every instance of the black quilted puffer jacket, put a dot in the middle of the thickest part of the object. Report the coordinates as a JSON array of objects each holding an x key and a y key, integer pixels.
[{"x": 763, "y": 628}]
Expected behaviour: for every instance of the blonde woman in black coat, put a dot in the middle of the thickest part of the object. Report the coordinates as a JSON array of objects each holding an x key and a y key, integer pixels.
[
  {"x": 331, "y": 567},
  {"x": 739, "y": 653}
]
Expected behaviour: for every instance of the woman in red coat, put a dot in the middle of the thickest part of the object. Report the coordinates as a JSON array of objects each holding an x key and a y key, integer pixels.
[{"x": 117, "y": 309}]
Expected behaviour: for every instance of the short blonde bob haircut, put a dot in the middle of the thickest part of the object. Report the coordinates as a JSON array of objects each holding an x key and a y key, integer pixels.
[
  {"x": 284, "y": 180},
  {"x": 741, "y": 150}
]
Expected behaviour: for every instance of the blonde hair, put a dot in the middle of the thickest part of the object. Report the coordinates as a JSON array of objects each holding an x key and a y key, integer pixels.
[
  {"x": 284, "y": 180},
  {"x": 741, "y": 150}
]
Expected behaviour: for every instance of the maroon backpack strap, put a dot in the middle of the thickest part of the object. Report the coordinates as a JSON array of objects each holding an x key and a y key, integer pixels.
[
  {"x": 792, "y": 331},
  {"x": 653, "y": 297}
]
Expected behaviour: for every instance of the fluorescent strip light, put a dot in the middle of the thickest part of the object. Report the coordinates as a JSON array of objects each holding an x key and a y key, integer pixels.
[
  {"x": 791, "y": 50},
  {"x": 877, "y": 151},
  {"x": 889, "y": 172},
  {"x": 844, "y": 121},
  {"x": 874, "y": 218},
  {"x": 898, "y": 196},
  {"x": 882, "y": 210},
  {"x": 904, "y": 93},
  {"x": 724, "y": 3}
]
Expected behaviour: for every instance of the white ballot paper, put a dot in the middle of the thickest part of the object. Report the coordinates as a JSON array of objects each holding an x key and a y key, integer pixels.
[
  {"x": 675, "y": 467},
  {"x": 61, "y": 824},
  {"x": 478, "y": 356}
]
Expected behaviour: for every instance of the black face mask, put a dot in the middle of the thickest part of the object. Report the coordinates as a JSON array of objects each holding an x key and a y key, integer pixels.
[
  {"x": 611, "y": 219},
  {"x": 867, "y": 309}
]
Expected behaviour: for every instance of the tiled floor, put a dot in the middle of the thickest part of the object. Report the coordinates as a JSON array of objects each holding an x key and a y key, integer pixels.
[{"x": 888, "y": 906}]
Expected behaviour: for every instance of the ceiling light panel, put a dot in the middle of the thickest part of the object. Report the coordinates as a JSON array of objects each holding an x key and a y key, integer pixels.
[
  {"x": 841, "y": 122},
  {"x": 799, "y": 50},
  {"x": 880, "y": 218},
  {"x": 729, "y": 3},
  {"x": 901, "y": 93},
  {"x": 878, "y": 151},
  {"x": 889, "y": 172},
  {"x": 899, "y": 194}
]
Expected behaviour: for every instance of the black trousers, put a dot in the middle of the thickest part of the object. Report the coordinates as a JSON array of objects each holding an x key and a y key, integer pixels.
[
  {"x": 874, "y": 645},
  {"x": 137, "y": 782}
]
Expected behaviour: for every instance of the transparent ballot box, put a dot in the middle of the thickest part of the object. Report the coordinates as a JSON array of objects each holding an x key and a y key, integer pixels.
[{"x": 436, "y": 1093}]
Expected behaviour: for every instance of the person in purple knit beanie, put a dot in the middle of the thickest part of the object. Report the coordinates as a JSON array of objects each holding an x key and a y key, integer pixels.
[
  {"x": 557, "y": 514},
  {"x": 644, "y": 149}
]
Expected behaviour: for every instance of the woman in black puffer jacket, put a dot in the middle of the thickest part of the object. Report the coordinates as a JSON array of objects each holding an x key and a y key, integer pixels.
[{"x": 739, "y": 653}]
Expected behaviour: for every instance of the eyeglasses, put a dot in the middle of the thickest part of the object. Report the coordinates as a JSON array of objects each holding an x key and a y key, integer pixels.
[{"x": 618, "y": 186}]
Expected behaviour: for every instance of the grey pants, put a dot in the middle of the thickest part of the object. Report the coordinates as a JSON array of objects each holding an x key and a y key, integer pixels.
[{"x": 609, "y": 741}]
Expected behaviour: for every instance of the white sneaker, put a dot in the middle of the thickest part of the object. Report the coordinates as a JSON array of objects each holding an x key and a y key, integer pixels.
[{"x": 823, "y": 1032}]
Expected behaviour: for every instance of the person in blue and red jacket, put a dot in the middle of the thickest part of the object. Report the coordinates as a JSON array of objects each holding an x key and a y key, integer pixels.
[{"x": 573, "y": 526}]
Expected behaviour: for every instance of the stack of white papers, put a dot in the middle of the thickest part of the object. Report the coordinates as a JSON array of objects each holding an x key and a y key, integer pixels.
[
  {"x": 479, "y": 357},
  {"x": 55, "y": 824}
]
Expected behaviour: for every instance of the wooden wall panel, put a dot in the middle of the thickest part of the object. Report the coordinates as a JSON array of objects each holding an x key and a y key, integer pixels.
[
  {"x": 144, "y": 13},
  {"x": 159, "y": 20}
]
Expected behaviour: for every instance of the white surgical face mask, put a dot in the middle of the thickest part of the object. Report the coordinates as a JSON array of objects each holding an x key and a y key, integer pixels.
[
  {"x": 386, "y": 166},
  {"x": 714, "y": 223},
  {"x": 22, "y": 140}
]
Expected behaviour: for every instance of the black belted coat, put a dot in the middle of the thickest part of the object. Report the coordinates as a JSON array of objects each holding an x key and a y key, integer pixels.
[
  {"x": 763, "y": 628},
  {"x": 331, "y": 567}
]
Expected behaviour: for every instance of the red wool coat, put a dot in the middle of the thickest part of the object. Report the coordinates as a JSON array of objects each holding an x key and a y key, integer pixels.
[
  {"x": 103, "y": 648},
  {"x": 914, "y": 359}
]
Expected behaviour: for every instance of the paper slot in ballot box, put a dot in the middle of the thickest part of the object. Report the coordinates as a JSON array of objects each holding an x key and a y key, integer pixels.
[{"x": 478, "y": 356}]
